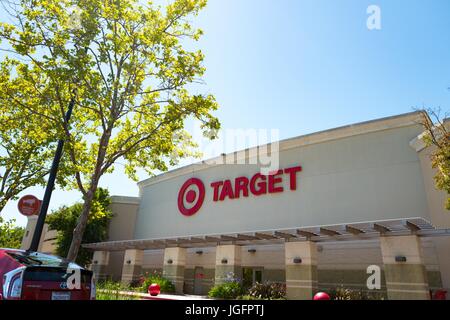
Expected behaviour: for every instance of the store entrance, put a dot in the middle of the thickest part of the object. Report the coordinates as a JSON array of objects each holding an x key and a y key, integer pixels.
[
  {"x": 198, "y": 280},
  {"x": 251, "y": 275}
]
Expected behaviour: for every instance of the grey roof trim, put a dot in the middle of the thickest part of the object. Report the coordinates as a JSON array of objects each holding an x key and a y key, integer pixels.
[
  {"x": 371, "y": 229},
  {"x": 125, "y": 200},
  {"x": 397, "y": 121}
]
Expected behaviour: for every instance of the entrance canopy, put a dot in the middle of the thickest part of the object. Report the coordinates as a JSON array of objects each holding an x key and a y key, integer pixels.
[{"x": 340, "y": 232}]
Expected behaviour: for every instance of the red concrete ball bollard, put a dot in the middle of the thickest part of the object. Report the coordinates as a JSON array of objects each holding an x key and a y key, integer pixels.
[
  {"x": 321, "y": 296},
  {"x": 154, "y": 289}
]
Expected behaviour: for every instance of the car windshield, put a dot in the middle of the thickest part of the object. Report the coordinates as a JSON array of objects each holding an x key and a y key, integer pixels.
[{"x": 35, "y": 258}]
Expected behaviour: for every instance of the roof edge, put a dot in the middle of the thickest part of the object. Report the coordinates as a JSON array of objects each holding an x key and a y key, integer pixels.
[
  {"x": 375, "y": 125},
  {"x": 125, "y": 200}
]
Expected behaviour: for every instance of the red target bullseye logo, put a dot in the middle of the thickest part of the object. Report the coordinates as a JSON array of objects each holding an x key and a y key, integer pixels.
[{"x": 191, "y": 196}]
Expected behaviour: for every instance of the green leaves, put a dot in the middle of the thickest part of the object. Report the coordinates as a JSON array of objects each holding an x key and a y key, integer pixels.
[
  {"x": 65, "y": 219},
  {"x": 27, "y": 142},
  {"x": 130, "y": 70},
  {"x": 437, "y": 136},
  {"x": 10, "y": 235},
  {"x": 128, "y": 65}
]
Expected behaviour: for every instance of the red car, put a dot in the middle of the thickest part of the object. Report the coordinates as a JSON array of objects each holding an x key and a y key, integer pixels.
[{"x": 38, "y": 276}]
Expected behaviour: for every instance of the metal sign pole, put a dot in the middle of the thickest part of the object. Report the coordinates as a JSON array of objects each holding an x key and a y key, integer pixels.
[{"x": 50, "y": 185}]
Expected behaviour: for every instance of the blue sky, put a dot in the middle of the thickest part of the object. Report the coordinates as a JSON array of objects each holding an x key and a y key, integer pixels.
[{"x": 302, "y": 66}]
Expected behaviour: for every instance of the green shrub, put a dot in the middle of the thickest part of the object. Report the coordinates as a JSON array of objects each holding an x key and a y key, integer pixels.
[
  {"x": 248, "y": 297},
  {"x": 10, "y": 234},
  {"x": 165, "y": 284},
  {"x": 342, "y": 293},
  {"x": 267, "y": 291},
  {"x": 227, "y": 290},
  {"x": 109, "y": 290}
]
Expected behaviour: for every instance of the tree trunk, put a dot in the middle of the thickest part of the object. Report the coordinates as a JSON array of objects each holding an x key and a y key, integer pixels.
[
  {"x": 2, "y": 205},
  {"x": 81, "y": 226},
  {"x": 4, "y": 201},
  {"x": 82, "y": 222}
]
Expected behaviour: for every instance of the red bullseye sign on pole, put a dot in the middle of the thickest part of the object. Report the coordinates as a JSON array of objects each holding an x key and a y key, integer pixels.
[{"x": 29, "y": 205}]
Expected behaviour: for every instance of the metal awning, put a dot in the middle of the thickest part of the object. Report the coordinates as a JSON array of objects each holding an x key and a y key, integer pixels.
[{"x": 339, "y": 232}]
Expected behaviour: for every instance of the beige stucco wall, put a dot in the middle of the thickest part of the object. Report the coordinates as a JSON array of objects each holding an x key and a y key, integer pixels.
[
  {"x": 121, "y": 227},
  {"x": 440, "y": 217},
  {"x": 122, "y": 224},
  {"x": 47, "y": 243},
  {"x": 29, "y": 230},
  {"x": 367, "y": 172},
  {"x": 339, "y": 263},
  {"x": 365, "y": 177}
]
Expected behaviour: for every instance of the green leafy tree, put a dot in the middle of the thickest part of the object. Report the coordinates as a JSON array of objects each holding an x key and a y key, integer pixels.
[
  {"x": 437, "y": 135},
  {"x": 64, "y": 220},
  {"x": 26, "y": 144},
  {"x": 10, "y": 234},
  {"x": 134, "y": 79}
]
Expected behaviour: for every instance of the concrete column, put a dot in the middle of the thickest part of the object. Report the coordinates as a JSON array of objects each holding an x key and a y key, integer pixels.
[
  {"x": 132, "y": 265},
  {"x": 301, "y": 270},
  {"x": 100, "y": 262},
  {"x": 228, "y": 263},
  {"x": 405, "y": 280},
  {"x": 28, "y": 235},
  {"x": 29, "y": 231},
  {"x": 174, "y": 264}
]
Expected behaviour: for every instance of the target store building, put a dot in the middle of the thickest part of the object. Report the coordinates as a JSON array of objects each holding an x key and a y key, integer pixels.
[{"x": 344, "y": 202}]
